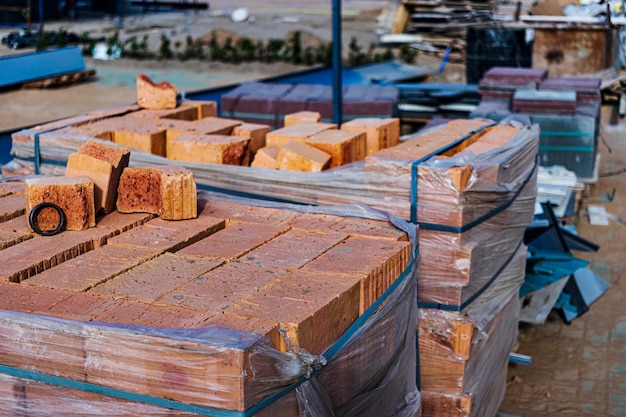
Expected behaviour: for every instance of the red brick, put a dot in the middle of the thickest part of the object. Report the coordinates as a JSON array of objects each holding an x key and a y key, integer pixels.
[
  {"x": 377, "y": 263},
  {"x": 92, "y": 268},
  {"x": 168, "y": 236},
  {"x": 242, "y": 213},
  {"x": 293, "y": 249},
  {"x": 80, "y": 306},
  {"x": 314, "y": 222},
  {"x": 174, "y": 317},
  {"x": 12, "y": 206},
  {"x": 18, "y": 224},
  {"x": 235, "y": 240},
  {"x": 355, "y": 226},
  {"x": 32, "y": 256},
  {"x": 122, "y": 222},
  {"x": 29, "y": 299},
  {"x": 155, "y": 278},
  {"x": 219, "y": 288},
  {"x": 11, "y": 187}
]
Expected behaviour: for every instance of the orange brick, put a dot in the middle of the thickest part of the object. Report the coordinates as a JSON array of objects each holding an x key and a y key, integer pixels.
[
  {"x": 167, "y": 237},
  {"x": 255, "y": 132},
  {"x": 155, "y": 278},
  {"x": 141, "y": 134},
  {"x": 343, "y": 146},
  {"x": 298, "y": 156},
  {"x": 168, "y": 191},
  {"x": 298, "y": 132},
  {"x": 155, "y": 96},
  {"x": 234, "y": 241},
  {"x": 181, "y": 112},
  {"x": 206, "y": 108},
  {"x": 12, "y": 206},
  {"x": 380, "y": 133},
  {"x": 293, "y": 249},
  {"x": 92, "y": 268},
  {"x": 314, "y": 309},
  {"x": 212, "y": 149},
  {"x": 219, "y": 288},
  {"x": 103, "y": 165},
  {"x": 265, "y": 157},
  {"x": 378, "y": 263},
  {"x": 302, "y": 116},
  {"x": 74, "y": 195}
]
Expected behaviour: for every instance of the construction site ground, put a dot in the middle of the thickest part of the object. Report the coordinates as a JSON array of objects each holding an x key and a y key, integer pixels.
[{"x": 576, "y": 369}]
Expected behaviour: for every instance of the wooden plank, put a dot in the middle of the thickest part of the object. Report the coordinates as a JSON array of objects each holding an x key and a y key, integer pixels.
[{"x": 61, "y": 80}]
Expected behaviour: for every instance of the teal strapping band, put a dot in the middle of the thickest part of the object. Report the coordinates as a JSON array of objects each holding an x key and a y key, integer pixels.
[
  {"x": 37, "y": 156},
  {"x": 566, "y": 148},
  {"x": 452, "y": 307},
  {"x": 113, "y": 392},
  {"x": 486, "y": 216},
  {"x": 415, "y": 164},
  {"x": 564, "y": 133}
]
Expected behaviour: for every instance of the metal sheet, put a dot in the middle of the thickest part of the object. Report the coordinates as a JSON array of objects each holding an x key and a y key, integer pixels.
[{"x": 18, "y": 69}]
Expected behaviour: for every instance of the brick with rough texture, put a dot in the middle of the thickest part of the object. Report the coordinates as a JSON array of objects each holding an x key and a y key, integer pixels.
[
  {"x": 103, "y": 165},
  {"x": 383, "y": 263},
  {"x": 298, "y": 132},
  {"x": 302, "y": 116},
  {"x": 293, "y": 249},
  {"x": 155, "y": 96},
  {"x": 265, "y": 157},
  {"x": 155, "y": 278},
  {"x": 92, "y": 268},
  {"x": 167, "y": 236},
  {"x": 255, "y": 132},
  {"x": 11, "y": 206},
  {"x": 234, "y": 241},
  {"x": 212, "y": 149},
  {"x": 74, "y": 195},
  {"x": 380, "y": 133},
  {"x": 343, "y": 146},
  {"x": 168, "y": 191},
  {"x": 298, "y": 156}
]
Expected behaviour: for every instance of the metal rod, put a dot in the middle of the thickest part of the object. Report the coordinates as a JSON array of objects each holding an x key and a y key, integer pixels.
[
  {"x": 40, "y": 16},
  {"x": 336, "y": 61}
]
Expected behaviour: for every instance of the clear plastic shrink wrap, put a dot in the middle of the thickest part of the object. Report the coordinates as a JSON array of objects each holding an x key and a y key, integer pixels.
[{"x": 52, "y": 366}]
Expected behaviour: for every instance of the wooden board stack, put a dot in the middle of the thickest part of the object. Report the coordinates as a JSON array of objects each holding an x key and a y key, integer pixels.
[{"x": 206, "y": 312}]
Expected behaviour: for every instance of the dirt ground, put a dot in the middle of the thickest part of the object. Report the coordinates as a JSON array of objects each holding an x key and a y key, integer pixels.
[{"x": 576, "y": 369}]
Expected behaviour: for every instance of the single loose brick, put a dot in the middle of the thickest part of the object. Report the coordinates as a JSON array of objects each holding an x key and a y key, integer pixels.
[
  {"x": 206, "y": 126},
  {"x": 302, "y": 116},
  {"x": 380, "y": 133},
  {"x": 212, "y": 149},
  {"x": 298, "y": 156},
  {"x": 343, "y": 146},
  {"x": 266, "y": 157},
  {"x": 145, "y": 135},
  {"x": 155, "y": 96},
  {"x": 168, "y": 191},
  {"x": 255, "y": 132},
  {"x": 103, "y": 165},
  {"x": 181, "y": 112},
  {"x": 74, "y": 195}
]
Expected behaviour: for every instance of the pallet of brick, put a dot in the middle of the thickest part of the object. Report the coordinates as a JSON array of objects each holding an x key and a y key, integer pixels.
[
  {"x": 140, "y": 311},
  {"x": 463, "y": 354}
]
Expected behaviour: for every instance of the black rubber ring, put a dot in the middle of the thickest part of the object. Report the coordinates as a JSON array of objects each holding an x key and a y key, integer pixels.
[{"x": 32, "y": 219}]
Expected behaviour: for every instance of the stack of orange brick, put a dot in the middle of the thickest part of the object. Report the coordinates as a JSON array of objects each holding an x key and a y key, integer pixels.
[{"x": 208, "y": 312}]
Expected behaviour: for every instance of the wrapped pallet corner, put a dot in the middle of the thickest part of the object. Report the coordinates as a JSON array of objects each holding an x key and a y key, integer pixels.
[
  {"x": 73, "y": 343},
  {"x": 464, "y": 354}
]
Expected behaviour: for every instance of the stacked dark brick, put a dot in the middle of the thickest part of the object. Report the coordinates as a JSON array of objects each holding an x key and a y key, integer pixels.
[
  {"x": 567, "y": 109},
  {"x": 269, "y": 103}
]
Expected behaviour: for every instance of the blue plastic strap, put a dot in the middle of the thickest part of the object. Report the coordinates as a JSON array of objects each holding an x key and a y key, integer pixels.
[
  {"x": 415, "y": 164},
  {"x": 112, "y": 392},
  {"x": 37, "y": 156},
  {"x": 486, "y": 216},
  {"x": 453, "y": 307}
]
